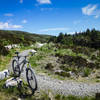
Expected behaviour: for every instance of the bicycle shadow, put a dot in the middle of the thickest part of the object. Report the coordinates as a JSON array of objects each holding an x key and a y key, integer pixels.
[{"x": 24, "y": 91}]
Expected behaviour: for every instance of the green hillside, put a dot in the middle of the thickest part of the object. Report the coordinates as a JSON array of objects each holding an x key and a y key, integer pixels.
[
  {"x": 10, "y": 37},
  {"x": 19, "y": 37}
]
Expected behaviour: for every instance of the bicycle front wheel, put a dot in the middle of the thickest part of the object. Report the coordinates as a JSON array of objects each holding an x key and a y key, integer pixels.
[
  {"x": 15, "y": 68},
  {"x": 31, "y": 79}
]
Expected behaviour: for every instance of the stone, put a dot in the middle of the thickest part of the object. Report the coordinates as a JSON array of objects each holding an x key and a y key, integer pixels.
[
  {"x": 39, "y": 45},
  {"x": 4, "y": 74},
  {"x": 51, "y": 96},
  {"x": 12, "y": 82}
]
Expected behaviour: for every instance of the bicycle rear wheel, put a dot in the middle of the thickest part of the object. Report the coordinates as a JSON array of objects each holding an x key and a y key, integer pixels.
[
  {"x": 31, "y": 79},
  {"x": 15, "y": 68}
]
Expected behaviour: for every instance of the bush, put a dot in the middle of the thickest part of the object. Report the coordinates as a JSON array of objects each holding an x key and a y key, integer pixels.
[
  {"x": 3, "y": 50},
  {"x": 49, "y": 66},
  {"x": 63, "y": 73},
  {"x": 87, "y": 72}
]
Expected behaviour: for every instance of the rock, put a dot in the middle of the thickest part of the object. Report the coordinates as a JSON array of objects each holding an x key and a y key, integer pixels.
[
  {"x": 39, "y": 45},
  {"x": 58, "y": 71},
  {"x": 12, "y": 82},
  {"x": 96, "y": 53},
  {"x": 32, "y": 46},
  {"x": 12, "y": 46},
  {"x": 4, "y": 74},
  {"x": 60, "y": 82},
  {"x": 51, "y": 96},
  {"x": 19, "y": 99},
  {"x": 42, "y": 74},
  {"x": 33, "y": 51}
]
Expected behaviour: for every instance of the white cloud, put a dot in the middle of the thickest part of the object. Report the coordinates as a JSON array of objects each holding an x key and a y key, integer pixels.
[
  {"x": 89, "y": 9},
  {"x": 6, "y": 25},
  {"x": 44, "y": 1},
  {"x": 21, "y": 1},
  {"x": 24, "y": 21},
  {"x": 8, "y": 14},
  {"x": 54, "y": 29},
  {"x": 97, "y": 16}
]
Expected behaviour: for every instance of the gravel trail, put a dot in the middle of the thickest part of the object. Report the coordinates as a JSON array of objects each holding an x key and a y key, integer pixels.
[{"x": 64, "y": 87}]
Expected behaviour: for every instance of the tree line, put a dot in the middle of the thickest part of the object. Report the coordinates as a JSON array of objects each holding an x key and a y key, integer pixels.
[{"x": 88, "y": 38}]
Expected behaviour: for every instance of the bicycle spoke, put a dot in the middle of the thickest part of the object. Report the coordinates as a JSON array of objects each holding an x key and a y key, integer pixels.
[
  {"x": 31, "y": 80},
  {"x": 16, "y": 68}
]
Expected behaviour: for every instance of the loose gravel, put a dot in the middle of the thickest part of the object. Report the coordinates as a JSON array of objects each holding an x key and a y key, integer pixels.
[{"x": 64, "y": 87}]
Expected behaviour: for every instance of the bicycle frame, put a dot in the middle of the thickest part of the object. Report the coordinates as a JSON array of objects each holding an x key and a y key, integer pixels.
[{"x": 23, "y": 63}]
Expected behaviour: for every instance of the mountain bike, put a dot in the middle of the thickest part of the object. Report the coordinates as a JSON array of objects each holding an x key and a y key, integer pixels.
[{"x": 18, "y": 67}]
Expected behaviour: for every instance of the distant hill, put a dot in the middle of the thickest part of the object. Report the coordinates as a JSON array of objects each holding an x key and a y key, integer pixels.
[{"x": 16, "y": 37}]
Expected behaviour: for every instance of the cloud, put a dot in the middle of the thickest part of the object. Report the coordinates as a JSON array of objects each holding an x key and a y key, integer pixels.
[
  {"x": 8, "y": 14},
  {"x": 6, "y": 25},
  {"x": 91, "y": 10},
  {"x": 21, "y": 1},
  {"x": 44, "y": 1},
  {"x": 97, "y": 16},
  {"x": 54, "y": 29},
  {"x": 24, "y": 21}
]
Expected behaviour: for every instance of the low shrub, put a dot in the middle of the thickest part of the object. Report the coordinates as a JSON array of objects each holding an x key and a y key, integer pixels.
[
  {"x": 63, "y": 73},
  {"x": 49, "y": 66},
  {"x": 3, "y": 50},
  {"x": 87, "y": 72}
]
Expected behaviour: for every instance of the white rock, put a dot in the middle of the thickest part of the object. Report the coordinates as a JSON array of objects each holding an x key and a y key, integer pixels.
[
  {"x": 19, "y": 99},
  {"x": 4, "y": 74},
  {"x": 8, "y": 46},
  {"x": 32, "y": 46},
  {"x": 33, "y": 51},
  {"x": 12, "y": 46},
  {"x": 12, "y": 82},
  {"x": 39, "y": 45}
]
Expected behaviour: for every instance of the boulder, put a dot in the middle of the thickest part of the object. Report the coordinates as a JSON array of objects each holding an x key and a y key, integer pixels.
[
  {"x": 39, "y": 45},
  {"x": 12, "y": 82},
  {"x": 4, "y": 74}
]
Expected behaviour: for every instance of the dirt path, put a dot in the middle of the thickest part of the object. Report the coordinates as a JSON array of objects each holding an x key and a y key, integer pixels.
[{"x": 64, "y": 87}]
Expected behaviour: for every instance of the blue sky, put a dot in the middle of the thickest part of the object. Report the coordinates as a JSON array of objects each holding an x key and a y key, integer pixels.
[{"x": 49, "y": 16}]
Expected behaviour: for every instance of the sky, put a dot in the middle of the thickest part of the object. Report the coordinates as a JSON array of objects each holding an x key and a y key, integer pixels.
[{"x": 49, "y": 16}]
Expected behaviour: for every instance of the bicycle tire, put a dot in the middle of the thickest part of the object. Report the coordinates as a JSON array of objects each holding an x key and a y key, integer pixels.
[
  {"x": 15, "y": 68},
  {"x": 33, "y": 78}
]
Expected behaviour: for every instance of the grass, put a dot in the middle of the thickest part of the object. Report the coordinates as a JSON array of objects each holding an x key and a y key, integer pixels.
[
  {"x": 46, "y": 51},
  {"x": 42, "y": 54},
  {"x": 14, "y": 93},
  {"x": 5, "y": 60},
  {"x": 49, "y": 50},
  {"x": 87, "y": 72},
  {"x": 70, "y": 97}
]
